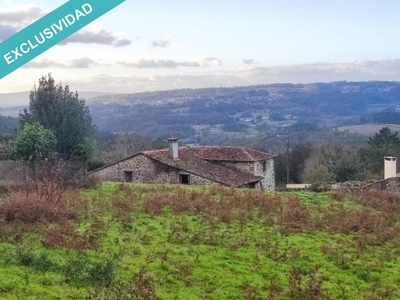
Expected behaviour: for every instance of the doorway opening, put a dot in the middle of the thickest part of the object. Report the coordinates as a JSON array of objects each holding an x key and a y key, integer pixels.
[
  {"x": 128, "y": 176},
  {"x": 184, "y": 178}
]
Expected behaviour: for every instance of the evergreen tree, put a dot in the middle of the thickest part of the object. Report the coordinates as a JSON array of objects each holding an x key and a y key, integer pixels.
[
  {"x": 384, "y": 143},
  {"x": 58, "y": 109}
]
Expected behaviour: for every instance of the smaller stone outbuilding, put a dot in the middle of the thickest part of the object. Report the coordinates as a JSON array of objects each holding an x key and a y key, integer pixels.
[
  {"x": 390, "y": 185},
  {"x": 198, "y": 165},
  {"x": 391, "y": 181}
]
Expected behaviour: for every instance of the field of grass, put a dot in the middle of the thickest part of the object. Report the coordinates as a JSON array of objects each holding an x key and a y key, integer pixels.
[
  {"x": 168, "y": 242},
  {"x": 369, "y": 129}
]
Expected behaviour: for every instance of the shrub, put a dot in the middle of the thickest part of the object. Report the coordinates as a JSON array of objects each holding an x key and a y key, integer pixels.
[
  {"x": 102, "y": 273},
  {"x": 40, "y": 262},
  {"x": 42, "y": 199},
  {"x": 140, "y": 287},
  {"x": 66, "y": 235},
  {"x": 77, "y": 268},
  {"x": 299, "y": 289},
  {"x": 320, "y": 187},
  {"x": 34, "y": 209}
]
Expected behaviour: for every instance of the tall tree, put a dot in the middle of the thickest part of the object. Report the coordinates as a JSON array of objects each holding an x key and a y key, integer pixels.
[
  {"x": 334, "y": 163},
  {"x": 384, "y": 143},
  {"x": 298, "y": 156},
  {"x": 58, "y": 109}
]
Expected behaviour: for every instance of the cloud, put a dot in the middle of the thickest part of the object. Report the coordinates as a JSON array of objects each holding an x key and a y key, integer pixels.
[
  {"x": 161, "y": 43},
  {"x": 20, "y": 15},
  {"x": 17, "y": 17},
  {"x": 388, "y": 69},
  {"x": 323, "y": 71},
  {"x": 157, "y": 64},
  {"x": 141, "y": 83},
  {"x": 79, "y": 63},
  {"x": 367, "y": 70},
  {"x": 248, "y": 61},
  {"x": 206, "y": 62},
  {"x": 122, "y": 43},
  {"x": 6, "y": 31},
  {"x": 95, "y": 37},
  {"x": 86, "y": 62}
]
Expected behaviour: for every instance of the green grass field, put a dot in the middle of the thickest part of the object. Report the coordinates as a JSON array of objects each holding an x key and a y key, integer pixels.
[{"x": 168, "y": 242}]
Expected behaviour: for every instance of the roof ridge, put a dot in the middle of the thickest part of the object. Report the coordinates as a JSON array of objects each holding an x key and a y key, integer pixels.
[
  {"x": 251, "y": 157},
  {"x": 208, "y": 170}
]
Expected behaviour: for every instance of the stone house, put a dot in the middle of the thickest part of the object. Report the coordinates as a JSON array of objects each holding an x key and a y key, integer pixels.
[{"x": 198, "y": 165}]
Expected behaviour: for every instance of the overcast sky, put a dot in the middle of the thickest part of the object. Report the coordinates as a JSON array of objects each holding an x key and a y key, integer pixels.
[{"x": 147, "y": 45}]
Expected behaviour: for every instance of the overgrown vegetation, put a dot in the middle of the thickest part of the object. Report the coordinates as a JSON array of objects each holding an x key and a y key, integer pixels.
[
  {"x": 331, "y": 163},
  {"x": 168, "y": 242}
]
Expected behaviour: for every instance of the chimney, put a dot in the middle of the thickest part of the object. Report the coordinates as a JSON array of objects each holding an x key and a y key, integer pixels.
[
  {"x": 390, "y": 166},
  {"x": 173, "y": 147}
]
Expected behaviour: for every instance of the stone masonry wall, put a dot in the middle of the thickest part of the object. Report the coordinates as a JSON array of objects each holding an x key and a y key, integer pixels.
[
  {"x": 247, "y": 167},
  {"x": 390, "y": 184},
  {"x": 17, "y": 172},
  {"x": 268, "y": 183},
  {"x": 256, "y": 168},
  {"x": 146, "y": 170}
]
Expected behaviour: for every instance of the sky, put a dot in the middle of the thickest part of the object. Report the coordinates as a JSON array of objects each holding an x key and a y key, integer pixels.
[{"x": 148, "y": 45}]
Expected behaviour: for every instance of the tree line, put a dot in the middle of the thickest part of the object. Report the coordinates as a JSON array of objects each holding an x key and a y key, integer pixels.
[
  {"x": 332, "y": 163},
  {"x": 58, "y": 123}
]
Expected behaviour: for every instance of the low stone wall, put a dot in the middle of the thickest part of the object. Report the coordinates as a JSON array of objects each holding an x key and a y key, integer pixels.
[
  {"x": 390, "y": 184},
  {"x": 16, "y": 172}
]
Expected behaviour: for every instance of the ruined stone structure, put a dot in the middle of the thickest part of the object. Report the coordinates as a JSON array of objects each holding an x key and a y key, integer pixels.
[
  {"x": 198, "y": 165},
  {"x": 391, "y": 181},
  {"x": 14, "y": 172},
  {"x": 389, "y": 184}
]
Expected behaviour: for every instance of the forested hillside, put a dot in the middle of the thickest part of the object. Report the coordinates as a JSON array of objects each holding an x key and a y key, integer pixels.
[
  {"x": 195, "y": 114},
  {"x": 257, "y": 117}
]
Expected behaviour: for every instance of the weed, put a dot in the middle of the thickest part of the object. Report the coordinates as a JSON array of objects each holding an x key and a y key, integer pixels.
[
  {"x": 311, "y": 289},
  {"x": 102, "y": 273}
]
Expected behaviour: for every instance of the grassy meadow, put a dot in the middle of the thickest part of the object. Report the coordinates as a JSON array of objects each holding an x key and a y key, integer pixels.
[{"x": 117, "y": 241}]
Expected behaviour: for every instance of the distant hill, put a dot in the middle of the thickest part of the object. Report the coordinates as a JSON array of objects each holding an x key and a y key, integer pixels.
[
  {"x": 12, "y": 103},
  {"x": 210, "y": 114},
  {"x": 187, "y": 111}
]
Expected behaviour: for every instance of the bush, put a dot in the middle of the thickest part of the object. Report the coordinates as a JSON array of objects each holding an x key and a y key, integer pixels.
[
  {"x": 141, "y": 287},
  {"x": 40, "y": 262},
  {"x": 102, "y": 273},
  {"x": 77, "y": 268},
  {"x": 320, "y": 187},
  {"x": 17, "y": 207}
]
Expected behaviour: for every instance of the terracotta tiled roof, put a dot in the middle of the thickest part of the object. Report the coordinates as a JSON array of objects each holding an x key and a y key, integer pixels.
[
  {"x": 190, "y": 161},
  {"x": 230, "y": 153}
]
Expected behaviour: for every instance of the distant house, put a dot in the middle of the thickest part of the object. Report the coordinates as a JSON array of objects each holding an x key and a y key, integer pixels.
[{"x": 198, "y": 165}]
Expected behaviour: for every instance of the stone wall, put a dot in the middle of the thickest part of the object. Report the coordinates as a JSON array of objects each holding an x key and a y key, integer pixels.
[
  {"x": 390, "y": 184},
  {"x": 257, "y": 169},
  {"x": 16, "y": 172},
  {"x": 11, "y": 172},
  {"x": 268, "y": 183},
  {"x": 247, "y": 167},
  {"x": 146, "y": 170}
]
